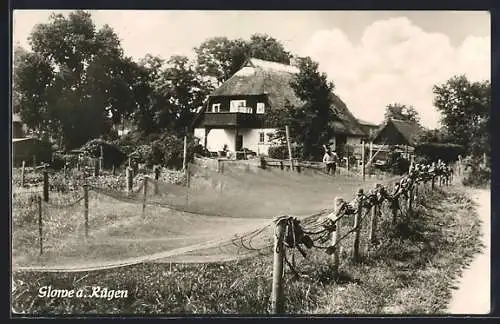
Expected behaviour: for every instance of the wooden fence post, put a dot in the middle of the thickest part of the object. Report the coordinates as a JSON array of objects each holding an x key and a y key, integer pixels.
[
  {"x": 128, "y": 173},
  {"x": 416, "y": 197},
  {"x": 410, "y": 202},
  {"x": 156, "y": 170},
  {"x": 357, "y": 226},
  {"x": 395, "y": 207},
  {"x": 40, "y": 225},
  {"x": 334, "y": 237},
  {"x": 86, "y": 208},
  {"x": 184, "y": 156},
  {"x": 101, "y": 160},
  {"x": 279, "y": 252},
  {"x": 432, "y": 182},
  {"x": 282, "y": 166},
  {"x": 22, "y": 173},
  {"x": 373, "y": 221},
  {"x": 45, "y": 186},
  {"x": 113, "y": 170},
  {"x": 65, "y": 171},
  {"x": 363, "y": 159},
  {"x": 144, "y": 193},
  {"x": 96, "y": 167},
  {"x": 289, "y": 147},
  {"x": 219, "y": 162}
]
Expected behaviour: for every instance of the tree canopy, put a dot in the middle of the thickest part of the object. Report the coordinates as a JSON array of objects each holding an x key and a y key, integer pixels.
[
  {"x": 77, "y": 84},
  {"x": 220, "y": 57},
  {"x": 401, "y": 112},
  {"x": 465, "y": 110},
  {"x": 309, "y": 124}
]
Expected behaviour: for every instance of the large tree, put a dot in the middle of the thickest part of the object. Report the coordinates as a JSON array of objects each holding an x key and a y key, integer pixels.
[
  {"x": 172, "y": 93},
  {"x": 32, "y": 78},
  {"x": 76, "y": 82},
  {"x": 465, "y": 109},
  {"x": 220, "y": 57},
  {"x": 401, "y": 112},
  {"x": 309, "y": 123}
]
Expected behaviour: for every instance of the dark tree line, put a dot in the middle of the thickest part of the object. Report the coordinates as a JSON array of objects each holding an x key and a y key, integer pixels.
[{"x": 77, "y": 84}]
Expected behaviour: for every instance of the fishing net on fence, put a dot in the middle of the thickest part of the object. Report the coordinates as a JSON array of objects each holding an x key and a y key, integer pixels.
[{"x": 219, "y": 217}]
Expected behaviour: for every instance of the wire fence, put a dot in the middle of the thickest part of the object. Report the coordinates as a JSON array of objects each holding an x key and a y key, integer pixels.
[{"x": 332, "y": 232}]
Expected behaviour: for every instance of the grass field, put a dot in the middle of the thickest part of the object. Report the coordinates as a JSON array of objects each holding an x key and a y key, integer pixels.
[
  {"x": 221, "y": 207},
  {"x": 409, "y": 272}
]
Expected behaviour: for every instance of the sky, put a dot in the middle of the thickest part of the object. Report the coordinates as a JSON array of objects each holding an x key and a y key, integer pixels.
[{"x": 374, "y": 58}]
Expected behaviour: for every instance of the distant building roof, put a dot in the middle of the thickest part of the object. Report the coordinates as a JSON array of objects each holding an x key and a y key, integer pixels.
[
  {"x": 366, "y": 123},
  {"x": 407, "y": 132}
]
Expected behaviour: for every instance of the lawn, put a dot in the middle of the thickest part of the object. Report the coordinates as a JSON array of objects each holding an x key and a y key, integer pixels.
[
  {"x": 410, "y": 271},
  {"x": 217, "y": 209}
]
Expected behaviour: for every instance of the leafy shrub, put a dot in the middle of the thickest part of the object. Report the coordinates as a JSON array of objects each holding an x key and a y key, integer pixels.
[
  {"x": 447, "y": 152},
  {"x": 397, "y": 164},
  {"x": 281, "y": 152},
  {"x": 112, "y": 153},
  {"x": 478, "y": 175},
  {"x": 173, "y": 150}
]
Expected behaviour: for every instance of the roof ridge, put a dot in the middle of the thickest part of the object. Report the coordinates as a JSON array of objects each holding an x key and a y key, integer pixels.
[{"x": 272, "y": 65}]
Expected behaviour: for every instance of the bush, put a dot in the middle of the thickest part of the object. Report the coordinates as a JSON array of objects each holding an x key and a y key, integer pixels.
[
  {"x": 397, "y": 164},
  {"x": 172, "y": 149},
  {"x": 281, "y": 152},
  {"x": 478, "y": 174},
  {"x": 434, "y": 151},
  {"x": 478, "y": 178},
  {"x": 113, "y": 155}
]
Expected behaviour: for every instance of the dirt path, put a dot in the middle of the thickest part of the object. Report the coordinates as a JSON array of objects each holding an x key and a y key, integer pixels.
[{"x": 473, "y": 293}]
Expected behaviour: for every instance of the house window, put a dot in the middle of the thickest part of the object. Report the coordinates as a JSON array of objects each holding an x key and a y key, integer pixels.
[
  {"x": 261, "y": 138},
  {"x": 216, "y": 107},
  {"x": 238, "y": 106},
  {"x": 260, "y": 108}
]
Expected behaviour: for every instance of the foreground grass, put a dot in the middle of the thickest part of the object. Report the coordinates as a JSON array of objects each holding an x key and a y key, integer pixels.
[{"x": 410, "y": 271}]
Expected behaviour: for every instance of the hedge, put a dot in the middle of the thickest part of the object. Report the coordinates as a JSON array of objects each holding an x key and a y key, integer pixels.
[{"x": 447, "y": 152}]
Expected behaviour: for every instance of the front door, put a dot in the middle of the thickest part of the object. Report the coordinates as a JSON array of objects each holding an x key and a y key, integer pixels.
[{"x": 239, "y": 142}]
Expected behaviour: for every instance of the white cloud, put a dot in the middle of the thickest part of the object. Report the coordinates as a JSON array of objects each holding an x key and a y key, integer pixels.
[{"x": 395, "y": 61}]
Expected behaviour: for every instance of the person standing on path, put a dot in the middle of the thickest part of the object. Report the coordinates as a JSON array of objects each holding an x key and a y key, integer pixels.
[{"x": 330, "y": 159}]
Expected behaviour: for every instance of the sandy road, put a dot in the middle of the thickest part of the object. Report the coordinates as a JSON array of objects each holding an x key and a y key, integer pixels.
[{"x": 473, "y": 293}]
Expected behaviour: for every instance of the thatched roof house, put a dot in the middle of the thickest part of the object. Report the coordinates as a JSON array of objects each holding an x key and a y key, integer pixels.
[
  {"x": 272, "y": 80},
  {"x": 240, "y": 104},
  {"x": 397, "y": 132}
]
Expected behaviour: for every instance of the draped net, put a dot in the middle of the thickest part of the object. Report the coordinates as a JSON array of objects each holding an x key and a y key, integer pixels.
[{"x": 218, "y": 217}]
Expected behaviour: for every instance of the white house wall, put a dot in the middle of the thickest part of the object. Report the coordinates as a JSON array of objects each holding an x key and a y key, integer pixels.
[
  {"x": 251, "y": 139},
  {"x": 218, "y": 137}
]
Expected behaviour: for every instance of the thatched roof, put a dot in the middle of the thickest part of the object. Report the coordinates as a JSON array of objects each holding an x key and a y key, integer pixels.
[
  {"x": 406, "y": 131},
  {"x": 259, "y": 77},
  {"x": 366, "y": 123},
  {"x": 350, "y": 125}
]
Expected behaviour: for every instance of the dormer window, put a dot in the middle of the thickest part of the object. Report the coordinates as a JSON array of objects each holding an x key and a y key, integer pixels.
[
  {"x": 260, "y": 108},
  {"x": 216, "y": 108},
  {"x": 237, "y": 105}
]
